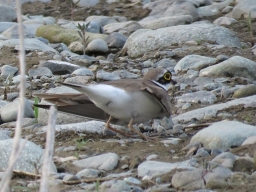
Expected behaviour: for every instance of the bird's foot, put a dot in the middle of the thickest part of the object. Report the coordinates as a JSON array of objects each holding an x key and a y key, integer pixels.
[
  {"x": 118, "y": 131},
  {"x": 147, "y": 138}
]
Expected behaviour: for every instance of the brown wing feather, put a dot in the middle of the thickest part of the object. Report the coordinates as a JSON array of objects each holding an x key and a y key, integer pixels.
[
  {"x": 73, "y": 103},
  {"x": 64, "y": 98},
  {"x": 131, "y": 85},
  {"x": 160, "y": 94}
]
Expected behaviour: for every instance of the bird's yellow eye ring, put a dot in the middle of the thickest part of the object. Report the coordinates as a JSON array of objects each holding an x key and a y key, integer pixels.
[{"x": 167, "y": 76}]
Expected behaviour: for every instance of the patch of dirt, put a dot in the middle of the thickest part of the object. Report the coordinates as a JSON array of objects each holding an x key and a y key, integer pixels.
[
  {"x": 63, "y": 9},
  {"x": 10, "y": 56}
]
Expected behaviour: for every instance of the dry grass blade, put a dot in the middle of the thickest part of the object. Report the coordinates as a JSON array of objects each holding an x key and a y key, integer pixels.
[
  {"x": 48, "y": 149},
  {"x": 16, "y": 148}
]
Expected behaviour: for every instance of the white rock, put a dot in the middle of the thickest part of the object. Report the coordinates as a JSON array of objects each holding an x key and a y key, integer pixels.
[
  {"x": 8, "y": 13},
  {"x": 31, "y": 29},
  {"x": 83, "y": 72},
  {"x": 107, "y": 76},
  {"x": 116, "y": 40},
  {"x": 89, "y": 127},
  {"x": 235, "y": 66},
  {"x": 150, "y": 157},
  {"x": 6, "y": 25},
  {"x": 9, "y": 112},
  {"x": 224, "y": 21},
  {"x": 249, "y": 141},
  {"x": 124, "y": 74},
  {"x": 213, "y": 9},
  {"x": 218, "y": 176},
  {"x": 30, "y": 44},
  {"x": 118, "y": 175},
  {"x": 227, "y": 9},
  {"x": 24, "y": 123},
  {"x": 115, "y": 27},
  {"x": 88, "y": 173},
  {"x": 226, "y": 159},
  {"x": 3, "y": 135},
  {"x": 166, "y": 21},
  {"x": 76, "y": 47},
  {"x": 104, "y": 162},
  {"x": 173, "y": 141},
  {"x": 94, "y": 27},
  {"x": 38, "y": 19},
  {"x": 243, "y": 8},
  {"x": 40, "y": 71},
  {"x": 132, "y": 180},
  {"x": 97, "y": 45},
  {"x": 197, "y": 179},
  {"x": 224, "y": 134},
  {"x": 79, "y": 79},
  {"x": 166, "y": 63},
  {"x": 155, "y": 168},
  {"x": 200, "y": 113},
  {"x": 7, "y": 70},
  {"x": 203, "y": 97},
  {"x": 3, "y": 103},
  {"x": 188, "y": 180},
  {"x": 194, "y": 62},
  {"x": 115, "y": 185},
  {"x": 103, "y": 20},
  {"x": 172, "y": 8},
  {"x": 86, "y": 3},
  {"x": 202, "y": 81}
]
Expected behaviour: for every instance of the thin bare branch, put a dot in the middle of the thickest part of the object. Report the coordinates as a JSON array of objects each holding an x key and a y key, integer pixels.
[
  {"x": 16, "y": 141},
  {"x": 48, "y": 149}
]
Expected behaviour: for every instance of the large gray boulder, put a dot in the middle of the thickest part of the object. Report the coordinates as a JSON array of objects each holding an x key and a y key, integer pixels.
[{"x": 145, "y": 40}]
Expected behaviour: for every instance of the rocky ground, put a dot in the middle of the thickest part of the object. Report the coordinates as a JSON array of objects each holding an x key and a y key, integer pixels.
[{"x": 130, "y": 156}]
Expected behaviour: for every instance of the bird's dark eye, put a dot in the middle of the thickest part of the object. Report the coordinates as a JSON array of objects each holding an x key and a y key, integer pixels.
[{"x": 167, "y": 76}]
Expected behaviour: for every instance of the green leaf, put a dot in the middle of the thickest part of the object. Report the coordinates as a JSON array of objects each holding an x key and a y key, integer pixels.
[
  {"x": 8, "y": 80},
  {"x": 36, "y": 112},
  {"x": 80, "y": 34}
]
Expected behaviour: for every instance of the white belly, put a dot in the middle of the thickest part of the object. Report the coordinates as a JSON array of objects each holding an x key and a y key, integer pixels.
[{"x": 141, "y": 106}]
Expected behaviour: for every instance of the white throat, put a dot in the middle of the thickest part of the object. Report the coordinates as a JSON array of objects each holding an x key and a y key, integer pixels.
[{"x": 161, "y": 85}]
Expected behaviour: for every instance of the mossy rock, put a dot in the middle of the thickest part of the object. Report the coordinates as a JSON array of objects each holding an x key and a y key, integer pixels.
[
  {"x": 245, "y": 91},
  {"x": 57, "y": 34}
]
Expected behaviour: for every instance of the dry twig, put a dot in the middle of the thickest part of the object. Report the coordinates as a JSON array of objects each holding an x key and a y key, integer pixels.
[
  {"x": 48, "y": 149},
  {"x": 16, "y": 147}
]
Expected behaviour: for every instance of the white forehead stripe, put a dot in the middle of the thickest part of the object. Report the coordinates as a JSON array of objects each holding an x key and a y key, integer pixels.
[
  {"x": 160, "y": 85},
  {"x": 160, "y": 74}
]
